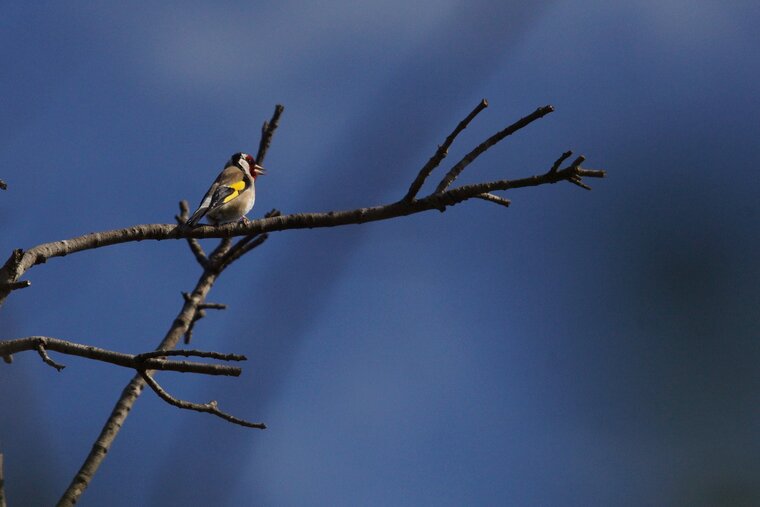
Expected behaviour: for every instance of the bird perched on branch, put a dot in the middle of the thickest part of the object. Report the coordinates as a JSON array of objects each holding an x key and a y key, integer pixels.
[{"x": 232, "y": 194}]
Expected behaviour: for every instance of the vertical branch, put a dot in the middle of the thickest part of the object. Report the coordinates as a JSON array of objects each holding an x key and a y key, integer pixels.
[
  {"x": 132, "y": 391},
  {"x": 267, "y": 131},
  {"x": 2, "y": 483},
  {"x": 213, "y": 264}
]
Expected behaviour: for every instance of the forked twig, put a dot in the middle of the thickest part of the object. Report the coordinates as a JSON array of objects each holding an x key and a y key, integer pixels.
[
  {"x": 441, "y": 152},
  {"x": 455, "y": 171},
  {"x": 209, "y": 408}
]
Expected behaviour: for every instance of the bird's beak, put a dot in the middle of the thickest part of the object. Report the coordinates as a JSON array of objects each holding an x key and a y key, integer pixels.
[{"x": 258, "y": 170}]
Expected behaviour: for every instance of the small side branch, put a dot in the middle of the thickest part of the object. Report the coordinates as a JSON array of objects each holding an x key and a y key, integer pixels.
[
  {"x": 46, "y": 358},
  {"x": 194, "y": 244},
  {"x": 559, "y": 161},
  {"x": 191, "y": 353},
  {"x": 267, "y": 131},
  {"x": 146, "y": 361},
  {"x": 247, "y": 243},
  {"x": 494, "y": 199},
  {"x": 482, "y": 147},
  {"x": 23, "y": 284},
  {"x": 209, "y": 408},
  {"x": 441, "y": 152},
  {"x": 200, "y": 312}
]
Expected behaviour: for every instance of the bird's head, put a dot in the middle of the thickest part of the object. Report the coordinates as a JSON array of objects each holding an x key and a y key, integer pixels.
[{"x": 247, "y": 163}]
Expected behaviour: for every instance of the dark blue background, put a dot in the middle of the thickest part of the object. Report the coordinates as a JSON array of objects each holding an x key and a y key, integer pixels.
[{"x": 576, "y": 349}]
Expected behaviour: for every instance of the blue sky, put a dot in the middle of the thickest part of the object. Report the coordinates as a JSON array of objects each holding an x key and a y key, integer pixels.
[{"x": 579, "y": 348}]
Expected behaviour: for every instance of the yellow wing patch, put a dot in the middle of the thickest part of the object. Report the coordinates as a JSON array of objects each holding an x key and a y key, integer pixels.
[
  {"x": 237, "y": 186},
  {"x": 230, "y": 197}
]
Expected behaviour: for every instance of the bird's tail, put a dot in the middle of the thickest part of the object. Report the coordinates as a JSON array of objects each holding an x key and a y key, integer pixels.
[{"x": 196, "y": 216}]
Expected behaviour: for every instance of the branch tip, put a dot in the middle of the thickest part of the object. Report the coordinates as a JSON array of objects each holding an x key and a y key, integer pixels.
[
  {"x": 455, "y": 171},
  {"x": 494, "y": 199},
  {"x": 23, "y": 284},
  {"x": 210, "y": 407},
  {"x": 577, "y": 181},
  {"x": 578, "y": 161},
  {"x": 267, "y": 131},
  {"x": 559, "y": 161},
  {"x": 441, "y": 152},
  {"x": 46, "y": 358}
]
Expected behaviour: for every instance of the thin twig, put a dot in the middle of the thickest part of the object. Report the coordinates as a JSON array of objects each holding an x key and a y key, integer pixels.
[
  {"x": 204, "y": 306},
  {"x": 220, "y": 251},
  {"x": 212, "y": 306},
  {"x": 482, "y": 147},
  {"x": 209, "y": 408},
  {"x": 267, "y": 131},
  {"x": 46, "y": 358},
  {"x": 577, "y": 181},
  {"x": 134, "y": 361},
  {"x": 190, "y": 353},
  {"x": 559, "y": 161},
  {"x": 195, "y": 246},
  {"x": 200, "y": 313},
  {"x": 441, "y": 152},
  {"x": 245, "y": 247},
  {"x": 247, "y": 243},
  {"x": 494, "y": 198}
]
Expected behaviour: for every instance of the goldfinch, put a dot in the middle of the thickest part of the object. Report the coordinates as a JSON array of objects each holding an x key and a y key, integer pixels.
[{"x": 232, "y": 194}]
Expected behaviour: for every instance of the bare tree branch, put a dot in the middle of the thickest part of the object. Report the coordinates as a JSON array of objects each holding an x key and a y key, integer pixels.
[
  {"x": 189, "y": 353},
  {"x": 441, "y": 152},
  {"x": 46, "y": 358},
  {"x": 253, "y": 234},
  {"x": 148, "y": 360},
  {"x": 209, "y": 408},
  {"x": 559, "y": 161},
  {"x": 193, "y": 303},
  {"x": 267, "y": 131},
  {"x": 247, "y": 243},
  {"x": 17, "y": 266},
  {"x": 482, "y": 147},
  {"x": 494, "y": 199},
  {"x": 2, "y": 483},
  {"x": 195, "y": 246},
  {"x": 199, "y": 314},
  {"x": 133, "y": 390}
]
